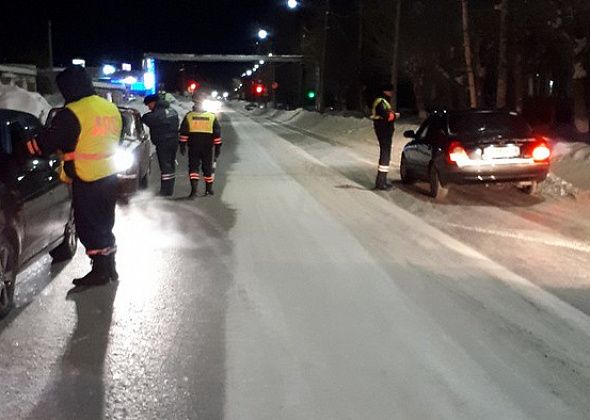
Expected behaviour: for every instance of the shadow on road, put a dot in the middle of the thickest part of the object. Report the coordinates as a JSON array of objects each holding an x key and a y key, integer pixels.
[{"x": 78, "y": 392}]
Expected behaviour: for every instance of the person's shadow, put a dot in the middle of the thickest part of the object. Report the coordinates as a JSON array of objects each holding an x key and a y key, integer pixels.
[{"x": 79, "y": 391}]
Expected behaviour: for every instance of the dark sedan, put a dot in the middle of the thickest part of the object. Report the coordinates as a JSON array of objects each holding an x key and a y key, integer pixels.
[
  {"x": 475, "y": 147},
  {"x": 36, "y": 213}
]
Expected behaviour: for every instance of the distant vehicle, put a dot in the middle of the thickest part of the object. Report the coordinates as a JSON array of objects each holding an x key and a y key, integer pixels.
[
  {"x": 475, "y": 147},
  {"x": 36, "y": 207},
  {"x": 134, "y": 156}
]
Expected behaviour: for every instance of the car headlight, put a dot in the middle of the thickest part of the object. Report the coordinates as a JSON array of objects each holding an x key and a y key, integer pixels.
[
  {"x": 211, "y": 105},
  {"x": 124, "y": 160}
]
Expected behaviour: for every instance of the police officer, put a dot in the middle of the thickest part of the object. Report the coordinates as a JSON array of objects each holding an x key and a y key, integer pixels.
[
  {"x": 383, "y": 117},
  {"x": 200, "y": 131},
  {"x": 163, "y": 123},
  {"x": 87, "y": 133}
]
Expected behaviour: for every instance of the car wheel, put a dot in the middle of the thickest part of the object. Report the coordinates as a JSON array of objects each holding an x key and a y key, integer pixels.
[
  {"x": 7, "y": 278},
  {"x": 67, "y": 249},
  {"x": 405, "y": 173},
  {"x": 437, "y": 190},
  {"x": 532, "y": 188}
]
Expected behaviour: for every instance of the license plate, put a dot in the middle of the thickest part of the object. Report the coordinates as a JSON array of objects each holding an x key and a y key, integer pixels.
[{"x": 501, "y": 152}]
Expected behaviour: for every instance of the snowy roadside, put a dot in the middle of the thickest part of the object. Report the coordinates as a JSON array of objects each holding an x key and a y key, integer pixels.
[{"x": 570, "y": 174}]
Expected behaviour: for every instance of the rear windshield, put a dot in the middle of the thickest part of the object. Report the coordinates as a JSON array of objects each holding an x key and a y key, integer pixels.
[{"x": 489, "y": 125}]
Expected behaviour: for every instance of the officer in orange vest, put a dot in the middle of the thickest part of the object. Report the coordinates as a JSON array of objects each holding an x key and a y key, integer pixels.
[
  {"x": 87, "y": 133},
  {"x": 200, "y": 130}
]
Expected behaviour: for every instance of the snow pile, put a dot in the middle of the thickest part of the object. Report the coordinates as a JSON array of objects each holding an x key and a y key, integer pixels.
[
  {"x": 13, "y": 97},
  {"x": 558, "y": 187}
]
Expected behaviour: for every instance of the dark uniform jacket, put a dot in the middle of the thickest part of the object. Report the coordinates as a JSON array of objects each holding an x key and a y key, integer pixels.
[{"x": 163, "y": 123}]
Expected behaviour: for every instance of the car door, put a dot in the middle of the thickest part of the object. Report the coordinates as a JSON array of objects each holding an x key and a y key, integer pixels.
[
  {"x": 428, "y": 145},
  {"x": 416, "y": 148},
  {"x": 39, "y": 187},
  {"x": 144, "y": 147}
]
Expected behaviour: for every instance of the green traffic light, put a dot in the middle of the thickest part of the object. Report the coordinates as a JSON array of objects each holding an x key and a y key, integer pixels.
[{"x": 311, "y": 94}]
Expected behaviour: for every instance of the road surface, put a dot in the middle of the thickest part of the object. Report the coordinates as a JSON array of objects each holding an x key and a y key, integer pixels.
[{"x": 294, "y": 293}]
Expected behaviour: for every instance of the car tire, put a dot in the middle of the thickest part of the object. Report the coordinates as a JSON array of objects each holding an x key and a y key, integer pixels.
[
  {"x": 531, "y": 189},
  {"x": 67, "y": 249},
  {"x": 437, "y": 190},
  {"x": 405, "y": 173},
  {"x": 7, "y": 277}
]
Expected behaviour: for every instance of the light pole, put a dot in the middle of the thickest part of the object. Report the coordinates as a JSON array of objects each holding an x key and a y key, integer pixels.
[{"x": 263, "y": 35}]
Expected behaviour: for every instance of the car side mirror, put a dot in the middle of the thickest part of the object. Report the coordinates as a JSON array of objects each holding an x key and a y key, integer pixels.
[{"x": 410, "y": 134}]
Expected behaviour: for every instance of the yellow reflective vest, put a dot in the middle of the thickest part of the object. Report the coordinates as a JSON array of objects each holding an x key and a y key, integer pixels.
[
  {"x": 101, "y": 124},
  {"x": 377, "y": 102},
  {"x": 200, "y": 122}
]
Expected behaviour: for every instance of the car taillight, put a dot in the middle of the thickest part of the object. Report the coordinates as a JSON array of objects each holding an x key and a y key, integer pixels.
[
  {"x": 541, "y": 153},
  {"x": 457, "y": 153}
]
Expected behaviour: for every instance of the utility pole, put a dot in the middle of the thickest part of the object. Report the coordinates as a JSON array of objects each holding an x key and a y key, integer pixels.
[{"x": 50, "y": 44}]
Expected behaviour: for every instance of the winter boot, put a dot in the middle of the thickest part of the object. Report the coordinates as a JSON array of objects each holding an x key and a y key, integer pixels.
[
  {"x": 209, "y": 188},
  {"x": 113, "y": 268},
  {"x": 194, "y": 184},
  {"x": 99, "y": 275},
  {"x": 381, "y": 181},
  {"x": 167, "y": 187}
]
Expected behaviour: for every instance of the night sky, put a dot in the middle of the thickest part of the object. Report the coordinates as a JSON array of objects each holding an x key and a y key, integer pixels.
[{"x": 123, "y": 30}]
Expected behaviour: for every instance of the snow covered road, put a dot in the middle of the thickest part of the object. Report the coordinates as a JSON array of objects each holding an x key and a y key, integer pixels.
[{"x": 295, "y": 293}]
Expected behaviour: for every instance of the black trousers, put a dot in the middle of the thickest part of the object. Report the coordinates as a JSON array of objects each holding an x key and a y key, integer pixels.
[
  {"x": 94, "y": 214},
  {"x": 167, "y": 161},
  {"x": 384, "y": 134},
  {"x": 167, "y": 157},
  {"x": 200, "y": 157}
]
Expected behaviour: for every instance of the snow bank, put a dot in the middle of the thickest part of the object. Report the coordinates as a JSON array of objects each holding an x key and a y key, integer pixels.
[{"x": 13, "y": 97}]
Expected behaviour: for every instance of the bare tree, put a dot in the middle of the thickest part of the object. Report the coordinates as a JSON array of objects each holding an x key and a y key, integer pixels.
[
  {"x": 502, "y": 86},
  {"x": 395, "y": 64},
  {"x": 468, "y": 54}
]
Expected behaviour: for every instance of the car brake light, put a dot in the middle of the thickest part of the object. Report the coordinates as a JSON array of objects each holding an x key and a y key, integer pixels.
[
  {"x": 541, "y": 153},
  {"x": 457, "y": 153}
]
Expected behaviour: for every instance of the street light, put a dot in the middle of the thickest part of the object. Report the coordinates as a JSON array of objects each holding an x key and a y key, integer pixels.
[
  {"x": 262, "y": 34},
  {"x": 248, "y": 73},
  {"x": 292, "y": 4}
]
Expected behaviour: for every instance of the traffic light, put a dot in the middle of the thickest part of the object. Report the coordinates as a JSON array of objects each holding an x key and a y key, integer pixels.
[
  {"x": 193, "y": 86},
  {"x": 311, "y": 94},
  {"x": 259, "y": 89}
]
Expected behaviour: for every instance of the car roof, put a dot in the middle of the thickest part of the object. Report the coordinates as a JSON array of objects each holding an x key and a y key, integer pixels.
[
  {"x": 468, "y": 112},
  {"x": 11, "y": 115}
]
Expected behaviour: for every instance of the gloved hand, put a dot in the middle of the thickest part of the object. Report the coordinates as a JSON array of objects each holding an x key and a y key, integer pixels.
[{"x": 183, "y": 149}]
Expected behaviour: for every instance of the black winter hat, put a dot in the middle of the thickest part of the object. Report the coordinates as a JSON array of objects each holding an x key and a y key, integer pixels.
[
  {"x": 74, "y": 84},
  {"x": 387, "y": 87},
  {"x": 151, "y": 98}
]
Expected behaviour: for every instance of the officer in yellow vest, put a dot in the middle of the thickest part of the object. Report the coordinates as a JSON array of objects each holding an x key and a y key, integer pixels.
[
  {"x": 87, "y": 133},
  {"x": 201, "y": 132},
  {"x": 383, "y": 117}
]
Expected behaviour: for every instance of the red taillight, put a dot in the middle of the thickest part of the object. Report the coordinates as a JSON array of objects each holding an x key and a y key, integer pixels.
[
  {"x": 457, "y": 153},
  {"x": 541, "y": 153}
]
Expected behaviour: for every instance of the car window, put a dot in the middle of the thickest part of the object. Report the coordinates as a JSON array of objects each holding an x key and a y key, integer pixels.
[
  {"x": 130, "y": 130},
  {"x": 489, "y": 124},
  {"x": 436, "y": 131},
  {"x": 423, "y": 131}
]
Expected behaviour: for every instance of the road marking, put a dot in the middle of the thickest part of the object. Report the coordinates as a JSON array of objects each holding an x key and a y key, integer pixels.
[{"x": 559, "y": 243}]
